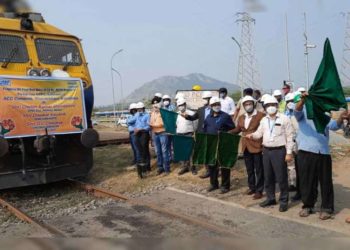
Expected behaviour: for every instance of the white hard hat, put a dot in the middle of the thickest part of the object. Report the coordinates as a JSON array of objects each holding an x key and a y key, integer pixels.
[
  {"x": 179, "y": 96},
  {"x": 270, "y": 100},
  {"x": 263, "y": 98},
  {"x": 301, "y": 89},
  {"x": 289, "y": 97},
  {"x": 158, "y": 95},
  {"x": 180, "y": 101},
  {"x": 132, "y": 106},
  {"x": 140, "y": 105},
  {"x": 60, "y": 73},
  {"x": 248, "y": 98},
  {"x": 277, "y": 92},
  {"x": 207, "y": 94},
  {"x": 214, "y": 99},
  {"x": 166, "y": 97}
]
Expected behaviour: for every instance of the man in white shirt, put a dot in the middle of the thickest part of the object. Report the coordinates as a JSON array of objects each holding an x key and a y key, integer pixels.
[
  {"x": 277, "y": 133},
  {"x": 186, "y": 128},
  {"x": 227, "y": 103}
]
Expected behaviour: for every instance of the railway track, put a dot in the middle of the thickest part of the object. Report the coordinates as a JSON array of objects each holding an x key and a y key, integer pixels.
[{"x": 52, "y": 231}]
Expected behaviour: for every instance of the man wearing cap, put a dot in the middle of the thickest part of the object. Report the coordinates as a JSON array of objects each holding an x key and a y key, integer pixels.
[
  {"x": 186, "y": 128},
  {"x": 315, "y": 162},
  {"x": 216, "y": 122},
  {"x": 293, "y": 170},
  {"x": 227, "y": 103},
  {"x": 201, "y": 114},
  {"x": 160, "y": 138},
  {"x": 131, "y": 126},
  {"x": 286, "y": 88},
  {"x": 142, "y": 137},
  {"x": 240, "y": 109},
  {"x": 158, "y": 97},
  {"x": 302, "y": 90},
  {"x": 167, "y": 103},
  {"x": 248, "y": 123},
  {"x": 277, "y": 133},
  {"x": 281, "y": 103}
]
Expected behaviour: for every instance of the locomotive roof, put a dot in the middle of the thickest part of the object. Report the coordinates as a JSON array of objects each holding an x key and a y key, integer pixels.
[{"x": 9, "y": 24}]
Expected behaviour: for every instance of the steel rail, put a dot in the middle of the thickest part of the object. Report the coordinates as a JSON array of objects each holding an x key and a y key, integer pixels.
[
  {"x": 102, "y": 193},
  {"x": 26, "y": 218}
]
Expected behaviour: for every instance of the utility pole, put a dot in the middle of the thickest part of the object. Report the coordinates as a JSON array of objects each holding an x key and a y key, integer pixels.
[
  {"x": 287, "y": 49},
  {"x": 248, "y": 75},
  {"x": 112, "y": 76},
  {"x": 345, "y": 67},
  {"x": 307, "y": 47}
]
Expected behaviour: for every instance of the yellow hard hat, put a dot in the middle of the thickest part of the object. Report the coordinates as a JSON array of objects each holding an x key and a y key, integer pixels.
[{"x": 197, "y": 87}]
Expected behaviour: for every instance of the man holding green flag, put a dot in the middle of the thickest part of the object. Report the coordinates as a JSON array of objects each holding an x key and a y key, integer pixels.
[
  {"x": 314, "y": 159},
  {"x": 215, "y": 123}
]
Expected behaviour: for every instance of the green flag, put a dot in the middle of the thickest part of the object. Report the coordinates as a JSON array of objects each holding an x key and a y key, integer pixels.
[
  {"x": 326, "y": 93},
  {"x": 169, "y": 120},
  {"x": 228, "y": 149},
  {"x": 205, "y": 149},
  {"x": 183, "y": 147}
]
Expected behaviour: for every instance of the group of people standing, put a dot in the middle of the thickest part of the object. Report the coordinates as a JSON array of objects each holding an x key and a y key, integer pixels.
[{"x": 275, "y": 132}]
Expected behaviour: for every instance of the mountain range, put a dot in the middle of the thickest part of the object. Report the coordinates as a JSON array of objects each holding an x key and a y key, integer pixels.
[{"x": 170, "y": 84}]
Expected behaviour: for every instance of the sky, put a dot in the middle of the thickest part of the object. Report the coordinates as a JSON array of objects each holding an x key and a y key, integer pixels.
[{"x": 163, "y": 37}]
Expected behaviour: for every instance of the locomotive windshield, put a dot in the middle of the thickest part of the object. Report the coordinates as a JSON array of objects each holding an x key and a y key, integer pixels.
[
  {"x": 58, "y": 52},
  {"x": 13, "y": 49}
]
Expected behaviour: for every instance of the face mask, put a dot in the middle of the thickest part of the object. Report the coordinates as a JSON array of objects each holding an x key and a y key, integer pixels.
[
  {"x": 166, "y": 103},
  {"x": 217, "y": 109},
  {"x": 291, "y": 105},
  {"x": 222, "y": 95},
  {"x": 249, "y": 108},
  {"x": 181, "y": 108},
  {"x": 271, "y": 110}
]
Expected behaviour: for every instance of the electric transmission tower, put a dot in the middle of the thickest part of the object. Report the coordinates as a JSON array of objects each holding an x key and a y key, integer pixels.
[
  {"x": 248, "y": 73},
  {"x": 345, "y": 67}
]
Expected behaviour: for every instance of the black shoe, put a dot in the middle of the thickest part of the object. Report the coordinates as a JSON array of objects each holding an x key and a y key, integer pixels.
[
  {"x": 283, "y": 208},
  {"x": 139, "y": 171},
  {"x": 205, "y": 175},
  {"x": 296, "y": 197},
  {"x": 160, "y": 171},
  {"x": 194, "y": 170},
  {"x": 268, "y": 203},
  {"x": 212, "y": 188},
  {"x": 184, "y": 170},
  {"x": 224, "y": 190}
]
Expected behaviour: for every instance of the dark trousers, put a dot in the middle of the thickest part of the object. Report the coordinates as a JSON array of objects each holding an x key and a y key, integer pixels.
[
  {"x": 275, "y": 170},
  {"x": 133, "y": 146},
  {"x": 314, "y": 169},
  {"x": 225, "y": 176},
  {"x": 297, "y": 175},
  {"x": 255, "y": 171},
  {"x": 142, "y": 144}
]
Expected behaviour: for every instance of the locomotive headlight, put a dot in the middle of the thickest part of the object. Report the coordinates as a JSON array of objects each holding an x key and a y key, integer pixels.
[
  {"x": 45, "y": 73},
  {"x": 33, "y": 72}
]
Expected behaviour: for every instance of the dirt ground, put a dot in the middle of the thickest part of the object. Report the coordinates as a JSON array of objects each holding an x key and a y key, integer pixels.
[{"x": 113, "y": 171}]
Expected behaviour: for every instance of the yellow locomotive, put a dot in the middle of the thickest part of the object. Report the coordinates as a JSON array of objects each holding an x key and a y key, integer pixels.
[{"x": 31, "y": 47}]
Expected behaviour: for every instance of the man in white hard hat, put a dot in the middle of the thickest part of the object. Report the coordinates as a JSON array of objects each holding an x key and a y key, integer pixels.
[
  {"x": 281, "y": 103},
  {"x": 142, "y": 137},
  {"x": 215, "y": 122},
  {"x": 240, "y": 109},
  {"x": 302, "y": 90},
  {"x": 248, "y": 123},
  {"x": 160, "y": 138},
  {"x": 158, "y": 97},
  {"x": 277, "y": 133},
  {"x": 201, "y": 114},
  {"x": 293, "y": 168},
  {"x": 131, "y": 121},
  {"x": 167, "y": 103},
  {"x": 186, "y": 128},
  {"x": 315, "y": 162}
]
